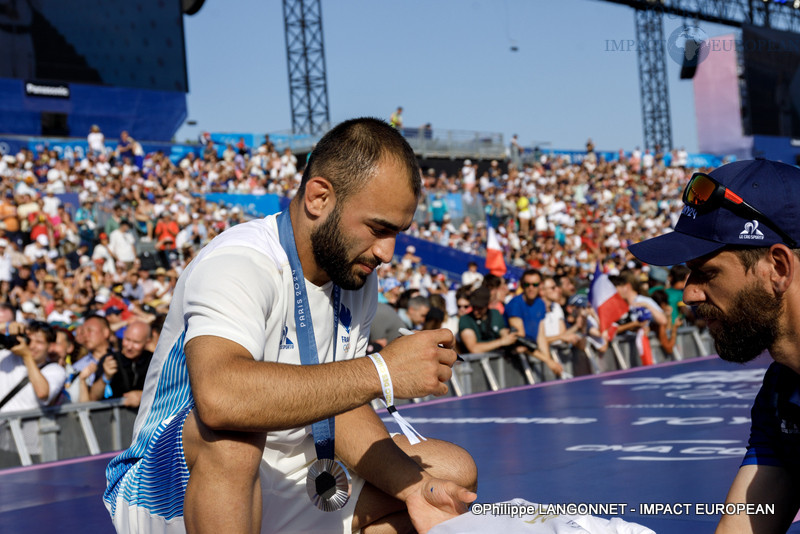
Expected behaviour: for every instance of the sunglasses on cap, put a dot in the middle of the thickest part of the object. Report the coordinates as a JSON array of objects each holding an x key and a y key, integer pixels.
[{"x": 704, "y": 193}]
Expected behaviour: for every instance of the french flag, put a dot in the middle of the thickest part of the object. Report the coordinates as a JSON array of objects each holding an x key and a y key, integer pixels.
[
  {"x": 610, "y": 306},
  {"x": 494, "y": 255},
  {"x": 643, "y": 346}
]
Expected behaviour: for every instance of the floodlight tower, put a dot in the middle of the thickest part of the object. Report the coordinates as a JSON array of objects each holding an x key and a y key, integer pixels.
[{"x": 305, "y": 57}]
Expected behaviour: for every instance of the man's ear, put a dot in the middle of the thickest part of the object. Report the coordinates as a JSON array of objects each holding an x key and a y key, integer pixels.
[
  {"x": 318, "y": 197},
  {"x": 783, "y": 262}
]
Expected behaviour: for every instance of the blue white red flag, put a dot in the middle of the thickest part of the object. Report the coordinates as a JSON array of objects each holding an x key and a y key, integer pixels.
[{"x": 608, "y": 304}]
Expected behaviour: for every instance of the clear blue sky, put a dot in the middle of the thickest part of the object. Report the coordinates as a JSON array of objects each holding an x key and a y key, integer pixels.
[{"x": 447, "y": 62}]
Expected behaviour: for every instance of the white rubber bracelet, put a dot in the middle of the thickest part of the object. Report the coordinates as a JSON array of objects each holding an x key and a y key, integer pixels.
[{"x": 413, "y": 436}]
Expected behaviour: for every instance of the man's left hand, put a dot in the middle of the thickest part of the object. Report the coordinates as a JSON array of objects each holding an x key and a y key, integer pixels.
[
  {"x": 437, "y": 501},
  {"x": 132, "y": 399}
]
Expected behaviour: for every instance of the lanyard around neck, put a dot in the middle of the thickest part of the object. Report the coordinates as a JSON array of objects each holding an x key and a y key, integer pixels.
[{"x": 323, "y": 431}]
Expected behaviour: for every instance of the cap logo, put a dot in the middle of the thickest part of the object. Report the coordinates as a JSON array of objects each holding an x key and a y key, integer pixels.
[
  {"x": 689, "y": 212},
  {"x": 751, "y": 231}
]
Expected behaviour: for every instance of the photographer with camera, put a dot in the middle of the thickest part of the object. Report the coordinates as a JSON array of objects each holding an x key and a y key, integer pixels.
[
  {"x": 122, "y": 374},
  {"x": 28, "y": 377},
  {"x": 96, "y": 337}
]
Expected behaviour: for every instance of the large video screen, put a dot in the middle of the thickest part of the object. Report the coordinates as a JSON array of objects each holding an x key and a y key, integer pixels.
[
  {"x": 121, "y": 43},
  {"x": 772, "y": 79}
]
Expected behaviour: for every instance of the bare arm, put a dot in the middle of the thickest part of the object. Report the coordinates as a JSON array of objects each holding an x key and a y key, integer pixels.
[
  {"x": 363, "y": 443},
  {"x": 659, "y": 317},
  {"x": 564, "y": 334},
  {"x": 761, "y": 484},
  {"x": 110, "y": 367},
  {"x": 84, "y": 394},
  {"x": 470, "y": 341},
  {"x": 542, "y": 351},
  {"x": 232, "y": 391},
  {"x": 41, "y": 387},
  {"x": 516, "y": 323}
]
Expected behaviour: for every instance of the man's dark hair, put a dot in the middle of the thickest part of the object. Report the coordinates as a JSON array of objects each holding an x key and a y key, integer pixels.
[
  {"x": 529, "y": 272},
  {"x": 660, "y": 296},
  {"x": 480, "y": 297},
  {"x": 558, "y": 278},
  {"x": 43, "y": 327},
  {"x": 348, "y": 156},
  {"x": 100, "y": 318},
  {"x": 463, "y": 292},
  {"x": 405, "y": 296},
  {"x": 492, "y": 281},
  {"x": 626, "y": 277}
]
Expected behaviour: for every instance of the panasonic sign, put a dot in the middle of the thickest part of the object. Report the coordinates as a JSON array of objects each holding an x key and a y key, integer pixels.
[{"x": 60, "y": 90}]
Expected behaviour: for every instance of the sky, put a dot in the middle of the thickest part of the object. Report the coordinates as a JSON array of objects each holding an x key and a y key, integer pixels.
[{"x": 447, "y": 62}]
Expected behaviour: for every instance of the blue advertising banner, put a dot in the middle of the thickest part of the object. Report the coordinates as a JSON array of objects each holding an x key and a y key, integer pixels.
[
  {"x": 225, "y": 139},
  {"x": 447, "y": 260},
  {"x": 694, "y": 160},
  {"x": 253, "y": 205}
]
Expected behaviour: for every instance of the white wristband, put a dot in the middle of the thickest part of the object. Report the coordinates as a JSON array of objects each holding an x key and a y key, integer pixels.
[
  {"x": 385, "y": 377},
  {"x": 413, "y": 436}
]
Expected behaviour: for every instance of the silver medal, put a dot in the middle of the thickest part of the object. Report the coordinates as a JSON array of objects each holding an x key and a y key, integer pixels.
[{"x": 328, "y": 485}]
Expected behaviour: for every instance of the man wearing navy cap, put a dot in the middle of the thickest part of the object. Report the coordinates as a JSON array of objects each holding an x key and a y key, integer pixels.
[{"x": 738, "y": 235}]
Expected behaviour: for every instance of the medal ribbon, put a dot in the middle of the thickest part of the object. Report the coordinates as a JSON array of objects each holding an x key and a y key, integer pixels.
[
  {"x": 388, "y": 399},
  {"x": 322, "y": 431}
]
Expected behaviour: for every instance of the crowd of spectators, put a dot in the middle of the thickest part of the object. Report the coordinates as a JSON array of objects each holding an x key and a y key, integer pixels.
[
  {"x": 556, "y": 219},
  {"x": 91, "y": 247},
  {"x": 97, "y": 272}
]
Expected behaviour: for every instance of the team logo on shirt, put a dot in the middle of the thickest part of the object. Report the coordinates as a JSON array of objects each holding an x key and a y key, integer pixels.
[
  {"x": 789, "y": 427},
  {"x": 345, "y": 319},
  {"x": 286, "y": 343}
]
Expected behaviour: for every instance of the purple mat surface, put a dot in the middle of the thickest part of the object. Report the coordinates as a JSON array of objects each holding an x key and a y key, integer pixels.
[{"x": 671, "y": 434}]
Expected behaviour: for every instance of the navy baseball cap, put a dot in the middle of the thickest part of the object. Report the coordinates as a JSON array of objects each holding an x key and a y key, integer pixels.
[
  {"x": 580, "y": 300},
  {"x": 771, "y": 187}
]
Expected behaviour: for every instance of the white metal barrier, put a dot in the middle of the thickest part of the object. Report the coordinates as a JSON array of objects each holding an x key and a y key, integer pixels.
[
  {"x": 66, "y": 431},
  {"x": 91, "y": 428}
]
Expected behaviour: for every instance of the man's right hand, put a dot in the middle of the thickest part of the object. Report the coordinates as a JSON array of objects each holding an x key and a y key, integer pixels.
[
  {"x": 509, "y": 337},
  {"x": 110, "y": 366},
  {"x": 420, "y": 364},
  {"x": 87, "y": 371}
]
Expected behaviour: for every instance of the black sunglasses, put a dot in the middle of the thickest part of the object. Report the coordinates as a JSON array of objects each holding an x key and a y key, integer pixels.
[
  {"x": 528, "y": 284},
  {"x": 705, "y": 193}
]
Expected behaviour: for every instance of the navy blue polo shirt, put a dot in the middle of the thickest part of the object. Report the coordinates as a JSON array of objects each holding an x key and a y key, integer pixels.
[{"x": 775, "y": 427}]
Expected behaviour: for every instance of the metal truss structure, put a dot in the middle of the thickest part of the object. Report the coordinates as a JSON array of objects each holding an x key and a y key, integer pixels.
[
  {"x": 653, "y": 84},
  {"x": 308, "y": 86},
  {"x": 778, "y": 15},
  {"x": 305, "y": 57},
  {"x": 653, "y": 80}
]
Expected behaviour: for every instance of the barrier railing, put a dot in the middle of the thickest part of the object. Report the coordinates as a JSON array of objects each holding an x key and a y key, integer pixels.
[
  {"x": 493, "y": 371},
  {"x": 66, "y": 431},
  {"x": 83, "y": 429}
]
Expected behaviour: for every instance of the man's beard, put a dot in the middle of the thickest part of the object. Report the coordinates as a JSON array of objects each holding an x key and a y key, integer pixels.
[
  {"x": 749, "y": 328},
  {"x": 330, "y": 248}
]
